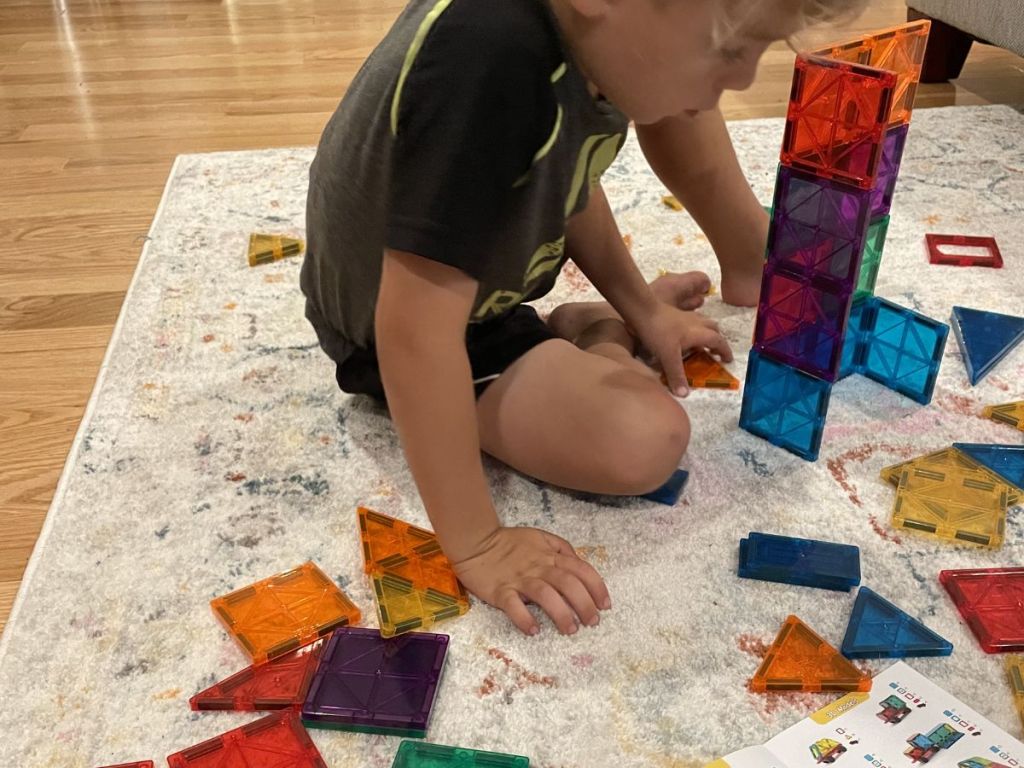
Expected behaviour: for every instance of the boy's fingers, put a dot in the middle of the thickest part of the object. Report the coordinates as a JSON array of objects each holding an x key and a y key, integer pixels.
[
  {"x": 590, "y": 578},
  {"x": 671, "y": 358},
  {"x": 714, "y": 341},
  {"x": 576, "y": 595},
  {"x": 552, "y": 603},
  {"x": 513, "y": 607}
]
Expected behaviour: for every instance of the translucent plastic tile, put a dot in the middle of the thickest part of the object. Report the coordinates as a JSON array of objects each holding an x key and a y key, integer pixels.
[
  {"x": 784, "y": 406},
  {"x": 704, "y": 372},
  {"x": 991, "y": 601},
  {"x": 414, "y": 583},
  {"x": 372, "y": 684},
  {"x": 799, "y": 660},
  {"x": 899, "y": 50},
  {"x": 1015, "y": 671},
  {"x": 802, "y": 322},
  {"x": 818, "y": 227},
  {"x": 281, "y": 683},
  {"x": 871, "y": 261},
  {"x": 1007, "y": 413},
  {"x": 387, "y": 541},
  {"x": 952, "y": 506},
  {"x": 279, "y": 614},
  {"x": 902, "y": 349},
  {"x": 838, "y": 114},
  {"x": 266, "y": 249},
  {"x": 879, "y": 630},
  {"x": 961, "y": 251},
  {"x": 804, "y": 562},
  {"x": 418, "y": 755},
  {"x": 888, "y": 171},
  {"x": 853, "y": 344},
  {"x": 670, "y": 492},
  {"x": 274, "y": 742},
  {"x": 402, "y": 607},
  {"x": 954, "y": 463},
  {"x": 985, "y": 338},
  {"x": 1007, "y": 461}
]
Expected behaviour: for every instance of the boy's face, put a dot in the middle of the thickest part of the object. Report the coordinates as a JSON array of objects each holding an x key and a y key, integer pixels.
[{"x": 657, "y": 58}]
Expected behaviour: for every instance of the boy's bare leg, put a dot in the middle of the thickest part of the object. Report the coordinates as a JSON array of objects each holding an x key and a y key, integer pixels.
[{"x": 588, "y": 415}]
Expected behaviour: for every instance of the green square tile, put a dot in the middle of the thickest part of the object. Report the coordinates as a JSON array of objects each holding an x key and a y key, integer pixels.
[{"x": 874, "y": 244}]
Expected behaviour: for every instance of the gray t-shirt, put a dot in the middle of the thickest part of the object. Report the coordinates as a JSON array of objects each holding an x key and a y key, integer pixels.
[{"x": 468, "y": 137}]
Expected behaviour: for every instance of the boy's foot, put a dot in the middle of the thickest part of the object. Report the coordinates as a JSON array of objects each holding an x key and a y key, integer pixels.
[
  {"x": 685, "y": 290},
  {"x": 742, "y": 287}
]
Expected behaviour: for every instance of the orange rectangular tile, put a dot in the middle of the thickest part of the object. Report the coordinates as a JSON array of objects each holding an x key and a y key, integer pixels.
[
  {"x": 284, "y": 612},
  {"x": 899, "y": 50}
]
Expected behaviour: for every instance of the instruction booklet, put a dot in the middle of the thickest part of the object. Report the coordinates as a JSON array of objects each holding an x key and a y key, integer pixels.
[{"x": 906, "y": 720}]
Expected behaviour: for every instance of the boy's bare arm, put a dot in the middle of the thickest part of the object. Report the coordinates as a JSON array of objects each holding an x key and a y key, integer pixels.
[
  {"x": 694, "y": 157},
  {"x": 594, "y": 244},
  {"x": 420, "y": 328}
]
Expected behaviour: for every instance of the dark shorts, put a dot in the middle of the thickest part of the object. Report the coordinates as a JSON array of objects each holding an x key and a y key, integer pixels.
[{"x": 492, "y": 346}]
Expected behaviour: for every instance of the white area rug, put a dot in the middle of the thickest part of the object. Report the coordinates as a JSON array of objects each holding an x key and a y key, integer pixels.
[{"x": 217, "y": 451}]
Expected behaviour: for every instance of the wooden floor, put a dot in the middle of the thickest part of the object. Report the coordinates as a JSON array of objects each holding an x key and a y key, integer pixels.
[{"x": 96, "y": 99}]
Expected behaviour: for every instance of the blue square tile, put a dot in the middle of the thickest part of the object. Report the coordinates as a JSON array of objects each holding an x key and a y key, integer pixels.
[
  {"x": 902, "y": 349},
  {"x": 784, "y": 406}
]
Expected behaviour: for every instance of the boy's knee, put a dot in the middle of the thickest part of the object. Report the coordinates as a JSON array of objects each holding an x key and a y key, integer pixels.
[{"x": 651, "y": 444}]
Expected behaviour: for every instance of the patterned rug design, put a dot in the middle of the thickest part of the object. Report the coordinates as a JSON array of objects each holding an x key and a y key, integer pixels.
[{"x": 217, "y": 450}]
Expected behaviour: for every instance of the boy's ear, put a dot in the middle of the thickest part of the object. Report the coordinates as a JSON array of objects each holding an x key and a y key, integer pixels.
[{"x": 590, "y": 9}]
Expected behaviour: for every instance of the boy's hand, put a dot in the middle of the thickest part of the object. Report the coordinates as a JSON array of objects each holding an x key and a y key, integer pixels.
[
  {"x": 668, "y": 333},
  {"x": 517, "y": 564}
]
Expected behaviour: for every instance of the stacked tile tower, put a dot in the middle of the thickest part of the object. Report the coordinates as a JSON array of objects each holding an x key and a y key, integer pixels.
[{"x": 818, "y": 319}]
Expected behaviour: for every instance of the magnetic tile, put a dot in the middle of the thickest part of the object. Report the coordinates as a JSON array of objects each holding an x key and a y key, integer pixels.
[
  {"x": 991, "y": 601},
  {"x": 373, "y": 684},
  {"x": 871, "y": 260},
  {"x": 276, "y": 741},
  {"x": 283, "y": 612},
  {"x": 852, "y": 358},
  {"x": 670, "y": 492},
  {"x": 266, "y": 249},
  {"x": 955, "y": 465},
  {"x": 953, "y": 507},
  {"x": 1015, "y": 672},
  {"x": 993, "y": 259},
  {"x": 804, "y": 562},
  {"x": 818, "y": 228},
  {"x": 703, "y": 371},
  {"x": 838, "y": 115},
  {"x": 802, "y": 322},
  {"x": 899, "y": 50},
  {"x": 888, "y": 171},
  {"x": 413, "y": 581},
  {"x": 1007, "y": 413},
  {"x": 799, "y": 660},
  {"x": 985, "y": 338},
  {"x": 879, "y": 630},
  {"x": 784, "y": 406},
  {"x": 1007, "y": 461},
  {"x": 280, "y": 683},
  {"x": 902, "y": 349},
  {"x": 413, "y": 754}
]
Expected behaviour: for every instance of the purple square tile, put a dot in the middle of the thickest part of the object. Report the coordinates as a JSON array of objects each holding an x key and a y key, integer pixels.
[
  {"x": 368, "y": 683},
  {"x": 802, "y": 322},
  {"x": 818, "y": 227},
  {"x": 888, "y": 170}
]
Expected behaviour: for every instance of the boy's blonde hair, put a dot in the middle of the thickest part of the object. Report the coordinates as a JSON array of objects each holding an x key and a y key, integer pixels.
[{"x": 736, "y": 15}]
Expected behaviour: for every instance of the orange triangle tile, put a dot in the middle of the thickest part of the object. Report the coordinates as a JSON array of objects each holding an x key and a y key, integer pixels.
[
  {"x": 704, "y": 372},
  {"x": 799, "y": 660}
]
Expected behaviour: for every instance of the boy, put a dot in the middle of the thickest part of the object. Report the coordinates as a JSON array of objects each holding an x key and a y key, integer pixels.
[{"x": 460, "y": 172}]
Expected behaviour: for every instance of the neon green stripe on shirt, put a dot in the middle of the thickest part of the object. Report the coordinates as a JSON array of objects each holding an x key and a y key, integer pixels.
[{"x": 410, "y": 56}]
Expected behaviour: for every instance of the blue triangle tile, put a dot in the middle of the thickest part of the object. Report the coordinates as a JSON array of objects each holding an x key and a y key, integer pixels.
[
  {"x": 1007, "y": 461},
  {"x": 670, "y": 492},
  {"x": 985, "y": 338},
  {"x": 880, "y": 630}
]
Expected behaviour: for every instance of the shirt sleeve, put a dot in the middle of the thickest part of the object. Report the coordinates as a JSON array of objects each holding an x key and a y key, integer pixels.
[{"x": 472, "y": 111}]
